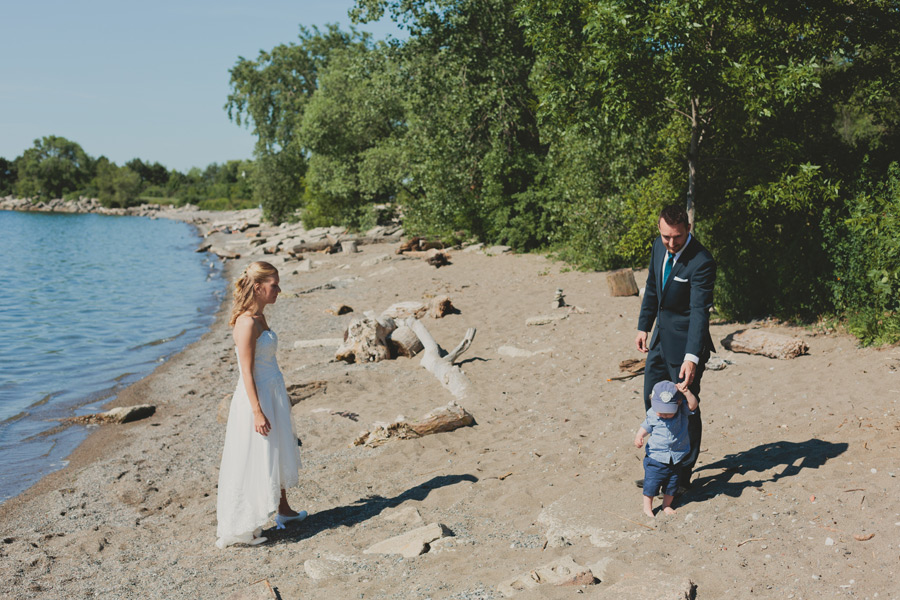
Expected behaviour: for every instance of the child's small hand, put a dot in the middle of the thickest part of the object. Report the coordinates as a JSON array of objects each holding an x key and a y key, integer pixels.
[
  {"x": 681, "y": 387},
  {"x": 638, "y": 441}
]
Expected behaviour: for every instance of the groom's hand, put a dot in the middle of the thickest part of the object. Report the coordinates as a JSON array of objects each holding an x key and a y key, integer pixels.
[
  {"x": 641, "y": 341},
  {"x": 688, "y": 370}
]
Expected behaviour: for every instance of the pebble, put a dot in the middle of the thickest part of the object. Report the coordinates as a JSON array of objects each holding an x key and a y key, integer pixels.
[{"x": 829, "y": 542}]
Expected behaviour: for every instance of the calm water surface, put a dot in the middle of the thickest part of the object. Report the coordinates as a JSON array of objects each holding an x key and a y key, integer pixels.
[{"x": 88, "y": 305}]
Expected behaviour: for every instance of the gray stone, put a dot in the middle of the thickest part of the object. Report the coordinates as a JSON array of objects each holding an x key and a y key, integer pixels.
[{"x": 412, "y": 543}]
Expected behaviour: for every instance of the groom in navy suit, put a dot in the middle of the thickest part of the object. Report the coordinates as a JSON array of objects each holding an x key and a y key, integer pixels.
[{"x": 678, "y": 298}]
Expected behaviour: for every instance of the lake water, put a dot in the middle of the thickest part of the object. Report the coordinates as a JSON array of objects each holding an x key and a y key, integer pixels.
[{"x": 89, "y": 304}]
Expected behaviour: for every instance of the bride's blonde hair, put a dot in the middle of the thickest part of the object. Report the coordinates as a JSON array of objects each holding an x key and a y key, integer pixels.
[{"x": 256, "y": 272}]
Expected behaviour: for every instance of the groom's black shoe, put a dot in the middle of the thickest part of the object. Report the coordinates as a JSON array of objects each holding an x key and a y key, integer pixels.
[{"x": 639, "y": 483}]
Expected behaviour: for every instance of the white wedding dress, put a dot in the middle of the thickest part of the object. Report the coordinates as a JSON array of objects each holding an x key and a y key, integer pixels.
[{"x": 256, "y": 468}]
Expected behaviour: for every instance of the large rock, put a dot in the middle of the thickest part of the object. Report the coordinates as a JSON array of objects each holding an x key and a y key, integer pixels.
[
  {"x": 765, "y": 343},
  {"x": 562, "y": 571},
  {"x": 412, "y": 543}
]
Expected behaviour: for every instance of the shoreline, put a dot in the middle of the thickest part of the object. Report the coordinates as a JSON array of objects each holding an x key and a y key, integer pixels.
[{"x": 189, "y": 215}]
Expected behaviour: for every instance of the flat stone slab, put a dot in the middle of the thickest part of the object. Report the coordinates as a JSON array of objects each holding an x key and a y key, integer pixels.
[{"x": 412, "y": 543}]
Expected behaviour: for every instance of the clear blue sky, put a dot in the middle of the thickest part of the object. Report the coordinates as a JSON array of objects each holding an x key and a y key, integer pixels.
[{"x": 141, "y": 79}]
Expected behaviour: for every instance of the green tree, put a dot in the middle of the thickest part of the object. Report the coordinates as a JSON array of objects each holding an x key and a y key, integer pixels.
[
  {"x": 53, "y": 167},
  {"x": 271, "y": 93},
  {"x": 117, "y": 187},
  {"x": 8, "y": 176},
  {"x": 738, "y": 105},
  {"x": 472, "y": 141},
  {"x": 353, "y": 127},
  {"x": 151, "y": 174}
]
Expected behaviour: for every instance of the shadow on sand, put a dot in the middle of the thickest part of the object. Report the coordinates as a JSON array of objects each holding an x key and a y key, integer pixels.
[
  {"x": 361, "y": 510},
  {"x": 795, "y": 456}
]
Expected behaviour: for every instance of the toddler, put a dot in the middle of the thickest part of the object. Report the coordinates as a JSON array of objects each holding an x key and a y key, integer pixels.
[{"x": 667, "y": 426}]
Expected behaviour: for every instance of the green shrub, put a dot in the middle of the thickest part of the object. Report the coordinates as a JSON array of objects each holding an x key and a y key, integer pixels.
[{"x": 865, "y": 246}]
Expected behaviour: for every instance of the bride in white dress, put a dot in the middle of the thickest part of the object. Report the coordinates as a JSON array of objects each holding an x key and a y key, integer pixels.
[{"x": 260, "y": 459}]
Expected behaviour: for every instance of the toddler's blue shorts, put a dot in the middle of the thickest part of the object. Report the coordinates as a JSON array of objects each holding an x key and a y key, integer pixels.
[{"x": 658, "y": 476}]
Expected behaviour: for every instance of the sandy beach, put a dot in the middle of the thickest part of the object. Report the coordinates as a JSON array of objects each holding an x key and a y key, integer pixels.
[{"x": 794, "y": 495}]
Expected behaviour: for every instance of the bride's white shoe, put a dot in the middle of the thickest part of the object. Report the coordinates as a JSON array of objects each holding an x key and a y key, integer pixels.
[{"x": 282, "y": 520}]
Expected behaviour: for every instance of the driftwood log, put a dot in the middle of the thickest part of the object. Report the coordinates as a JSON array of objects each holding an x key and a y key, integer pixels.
[
  {"x": 298, "y": 392},
  {"x": 440, "y": 306},
  {"x": 419, "y": 244},
  {"x": 765, "y": 343},
  {"x": 622, "y": 283},
  {"x": 405, "y": 342},
  {"x": 440, "y": 363},
  {"x": 366, "y": 339},
  {"x": 445, "y": 418}
]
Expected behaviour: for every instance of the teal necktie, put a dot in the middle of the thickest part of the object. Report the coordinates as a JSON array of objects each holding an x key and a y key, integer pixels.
[{"x": 667, "y": 268}]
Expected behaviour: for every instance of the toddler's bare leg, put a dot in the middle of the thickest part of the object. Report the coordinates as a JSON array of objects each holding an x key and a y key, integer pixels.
[
  {"x": 667, "y": 504},
  {"x": 648, "y": 506}
]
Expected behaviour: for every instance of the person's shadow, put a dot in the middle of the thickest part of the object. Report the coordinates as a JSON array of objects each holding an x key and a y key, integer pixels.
[
  {"x": 359, "y": 511},
  {"x": 795, "y": 456}
]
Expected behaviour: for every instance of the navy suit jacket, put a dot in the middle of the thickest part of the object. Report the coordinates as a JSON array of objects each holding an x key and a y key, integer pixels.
[{"x": 681, "y": 308}]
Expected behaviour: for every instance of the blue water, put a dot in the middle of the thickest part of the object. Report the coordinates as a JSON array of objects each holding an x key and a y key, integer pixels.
[{"x": 89, "y": 304}]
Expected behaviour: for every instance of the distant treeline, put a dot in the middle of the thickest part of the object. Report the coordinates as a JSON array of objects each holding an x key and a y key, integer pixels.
[
  {"x": 59, "y": 168},
  {"x": 565, "y": 125}
]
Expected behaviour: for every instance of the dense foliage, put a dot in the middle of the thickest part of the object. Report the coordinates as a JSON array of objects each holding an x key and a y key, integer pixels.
[
  {"x": 59, "y": 168},
  {"x": 566, "y": 125}
]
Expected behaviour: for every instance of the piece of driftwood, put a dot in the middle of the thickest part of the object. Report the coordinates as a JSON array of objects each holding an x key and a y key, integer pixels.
[
  {"x": 765, "y": 343},
  {"x": 298, "y": 392},
  {"x": 316, "y": 246},
  {"x": 438, "y": 259},
  {"x": 622, "y": 283},
  {"x": 366, "y": 339},
  {"x": 419, "y": 244},
  {"x": 446, "y": 418},
  {"x": 440, "y": 420},
  {"x": 339, "y": 309},
  {"x": 405, "y": 342},
  {"x": 632, "y": 368},
  {"x": 440, "y": 363},
  {"x": 349, "y": 246},
  {"x": 440, "y": 306},
  {"x": 120, "y": 414},
  {"x": 633, "y": 365}
]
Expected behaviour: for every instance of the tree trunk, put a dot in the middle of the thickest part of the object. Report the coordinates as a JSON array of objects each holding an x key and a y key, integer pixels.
[{"x": 693, "y": 151}]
